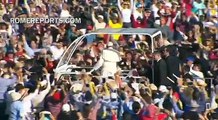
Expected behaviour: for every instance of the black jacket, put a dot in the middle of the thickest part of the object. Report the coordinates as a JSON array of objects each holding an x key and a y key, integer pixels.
[
  {"x": 173, "y": 64},
  {"x": 160, "y": 73}
]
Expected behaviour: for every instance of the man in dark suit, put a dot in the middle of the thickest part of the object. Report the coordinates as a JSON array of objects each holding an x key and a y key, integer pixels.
[
  {"x": 173, "y": 63},
  {"x": 160, "y": 70}
]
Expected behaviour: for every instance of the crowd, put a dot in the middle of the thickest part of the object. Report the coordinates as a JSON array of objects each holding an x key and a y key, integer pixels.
[{"x": 177, "y": 81}]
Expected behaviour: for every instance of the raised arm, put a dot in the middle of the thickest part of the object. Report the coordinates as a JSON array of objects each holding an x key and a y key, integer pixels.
[
  {"x": 107, "y": 91},
  {"x": 108, "y": 14},
  {"x": 93, "y": 17},
  {"x": 27, "y": 7},
  {"x": 119, "y": 5},
  {"x": 27, "y": 48},
  {"x": 132, "y": 5},
  {"x": 87, "y": 2},
  {"x": 9, "y": 29},
  {"x": 48, "y": 88},
  {"x": 32, "y": 95},
  {"x": 119, "y": 16}
]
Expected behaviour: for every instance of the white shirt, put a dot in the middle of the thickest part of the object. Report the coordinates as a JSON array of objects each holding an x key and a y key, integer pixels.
[
  {"x": 57, "y": 53},
  {"x": 38, "y": 100},
  {"x": 65, "y": 13},
  {"x": 126, "y": 15},
  {"x": 27, "y": 101},
  {"x": 136, "y": 87},
  {"x": 196, "y": 73},
  {"x": 155, "y": 10},
  {"x": 100, "y": 25},
  {"x": 8, "y": 102}
]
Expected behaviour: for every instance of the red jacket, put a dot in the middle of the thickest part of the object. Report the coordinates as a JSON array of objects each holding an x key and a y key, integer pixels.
[
  {"x": 136, "y": 24},
  {"x": 149, "y": 113},
  {"x": 114, "y": 117},
  {"x": 173, "y": 14},
  {"x": 9, "y": 60}
]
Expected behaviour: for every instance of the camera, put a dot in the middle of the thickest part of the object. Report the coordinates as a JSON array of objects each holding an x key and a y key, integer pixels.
[
  {"x": 114, "y": 91},
  {"x": 47, "y": 115}
]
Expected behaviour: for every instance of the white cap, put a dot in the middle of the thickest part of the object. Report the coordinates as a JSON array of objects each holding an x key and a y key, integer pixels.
[
  {"x": 15, "y": 96},
  {"x": 66, "y": 108},
  {"x": 43, "y": 83},
  {"x": 137, "y": 99},
  {"x": 77, "y": 87},
  {"x": 65, "y": 14},
  {"x": 142, "y": 58},
  {"x": 44, "y": 112},
  {"x": 201, "y": 82},
  {"x": 208, "y": 24},
  {"x": 101, "y": 16},
  {"x": 73, "y": 25},
  {"x": 96, "y": 7},
  {"x": 156, "y": 100},
  {"x": 163, "y": 89},
  {"x": 168, "y": 5},
  {"x": 110, "y": 44}
]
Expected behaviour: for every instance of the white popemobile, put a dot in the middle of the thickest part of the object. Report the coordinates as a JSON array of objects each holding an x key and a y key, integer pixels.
[{"x": 65, "y": 67}]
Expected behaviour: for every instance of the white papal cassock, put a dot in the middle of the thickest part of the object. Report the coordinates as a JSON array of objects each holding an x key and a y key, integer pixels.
[{"x": 108, "y": 61}]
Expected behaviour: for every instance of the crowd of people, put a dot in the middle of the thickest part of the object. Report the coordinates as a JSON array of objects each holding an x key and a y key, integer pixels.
[{"x": 177, "y": 81}]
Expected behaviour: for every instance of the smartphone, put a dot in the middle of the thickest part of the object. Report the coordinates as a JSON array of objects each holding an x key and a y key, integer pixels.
[
  {"x": 208, "y": 106},
  {"x": 190, "y": 83},
  {"x": 103, "y": 80},
  {"x": 87, "y": 85}
]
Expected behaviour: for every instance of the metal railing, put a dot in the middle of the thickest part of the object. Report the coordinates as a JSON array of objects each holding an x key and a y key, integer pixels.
[{"x": 210, "y": 85}]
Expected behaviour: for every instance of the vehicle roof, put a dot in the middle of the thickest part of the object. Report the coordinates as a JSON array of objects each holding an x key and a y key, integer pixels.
[{"x": 148, "y": 31}]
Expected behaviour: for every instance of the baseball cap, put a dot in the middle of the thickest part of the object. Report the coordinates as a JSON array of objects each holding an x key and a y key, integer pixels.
[
  {"x": 110, "y": 44},
  {"x": 101, "y": 16},
  {"x": 66, "y": 108},
  {"x": 163, "y": 89},
  {"x": 148, "y": 10},
  {"x": 190, "y": 59},
  {"x": 73, "y": 25},
  {"x": 138, "y": 5}
]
